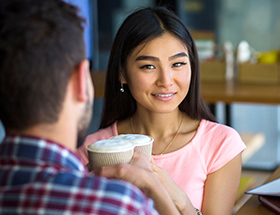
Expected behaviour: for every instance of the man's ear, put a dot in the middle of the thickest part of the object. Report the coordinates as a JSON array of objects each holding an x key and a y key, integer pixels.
[{"x": 82, "y": 80}]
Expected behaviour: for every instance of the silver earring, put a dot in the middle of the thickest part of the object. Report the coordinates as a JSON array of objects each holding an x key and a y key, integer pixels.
[{"x": 122, "y": 90}]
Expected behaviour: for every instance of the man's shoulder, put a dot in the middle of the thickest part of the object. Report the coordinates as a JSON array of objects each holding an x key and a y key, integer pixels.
[
  {"x": 77, "y": 192},
  {"x": 86, "y": 180},
  {"x": 106, "y": 194}
]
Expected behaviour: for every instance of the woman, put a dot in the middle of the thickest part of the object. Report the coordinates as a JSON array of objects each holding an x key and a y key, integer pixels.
[{"x": 152, "y": 88}]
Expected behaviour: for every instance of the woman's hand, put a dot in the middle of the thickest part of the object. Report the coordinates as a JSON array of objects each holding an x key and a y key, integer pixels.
[{"x": 177, "y": 194}]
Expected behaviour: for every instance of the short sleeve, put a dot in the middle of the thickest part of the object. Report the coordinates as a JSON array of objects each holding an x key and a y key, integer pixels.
[{"x": 221, "y": 144}]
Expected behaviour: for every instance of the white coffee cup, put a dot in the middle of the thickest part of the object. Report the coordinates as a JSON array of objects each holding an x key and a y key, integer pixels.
[
  {"x": 109, "y": 152},
  {"x": 143, "y": 143}
]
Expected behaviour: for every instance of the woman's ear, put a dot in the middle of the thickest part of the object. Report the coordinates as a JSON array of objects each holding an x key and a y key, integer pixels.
[{"x": 122, "y": 76}]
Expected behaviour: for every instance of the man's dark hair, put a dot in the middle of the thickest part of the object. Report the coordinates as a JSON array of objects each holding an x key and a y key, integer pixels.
[{"x": 41, "y": 41}]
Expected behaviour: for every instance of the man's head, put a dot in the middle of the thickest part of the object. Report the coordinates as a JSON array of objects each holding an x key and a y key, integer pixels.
[{"x": 41, "y": 44}]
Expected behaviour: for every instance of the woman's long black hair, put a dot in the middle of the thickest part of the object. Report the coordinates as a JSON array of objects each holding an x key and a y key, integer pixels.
[{"x": 142, "y": 26}]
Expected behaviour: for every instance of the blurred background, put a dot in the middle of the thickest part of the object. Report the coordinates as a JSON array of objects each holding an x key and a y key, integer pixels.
[
  {"x": 213, "y": 24},
  {"x": 254, "y": 21}
]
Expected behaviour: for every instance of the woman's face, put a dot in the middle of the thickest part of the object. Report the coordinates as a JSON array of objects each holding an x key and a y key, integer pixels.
[{"x": 158, "y": 74}]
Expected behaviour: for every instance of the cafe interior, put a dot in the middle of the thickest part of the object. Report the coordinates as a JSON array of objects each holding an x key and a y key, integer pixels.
[{"x": 238, "y": 43}]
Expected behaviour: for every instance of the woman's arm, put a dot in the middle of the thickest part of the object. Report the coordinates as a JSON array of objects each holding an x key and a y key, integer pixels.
[
  {"x": 177, "y": 194},
  {"x": 221, "y": 188}
]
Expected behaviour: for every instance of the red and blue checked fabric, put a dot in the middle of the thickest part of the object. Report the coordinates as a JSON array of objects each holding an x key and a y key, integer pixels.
[{"x": 38, "y": 176}]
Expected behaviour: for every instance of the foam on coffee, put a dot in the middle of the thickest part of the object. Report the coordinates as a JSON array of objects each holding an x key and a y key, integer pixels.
[
  {"x": 136, "y": 139},
  {"x": 111, "y": 145},
  {"x": 142, "y": 142}
]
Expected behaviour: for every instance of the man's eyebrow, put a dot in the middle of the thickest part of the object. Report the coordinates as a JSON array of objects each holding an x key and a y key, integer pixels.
[
  {"x": 181, "y": 54},
  {"x": 144, "y": 57}
]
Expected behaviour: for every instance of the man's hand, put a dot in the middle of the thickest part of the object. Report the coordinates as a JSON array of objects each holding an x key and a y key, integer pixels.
[{"x": 139, "y": 172}]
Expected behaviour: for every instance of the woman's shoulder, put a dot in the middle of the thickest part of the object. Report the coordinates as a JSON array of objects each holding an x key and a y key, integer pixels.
[
  {"x": 215, "y": 135},
  {"x": 218, "y": 144},
  {"x": 216, "y": 129}
]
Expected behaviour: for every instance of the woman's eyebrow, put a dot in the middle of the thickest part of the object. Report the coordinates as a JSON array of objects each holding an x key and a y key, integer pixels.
[
  {"x": 144, "y": 57},
  {"x": 181, "y": 54}
]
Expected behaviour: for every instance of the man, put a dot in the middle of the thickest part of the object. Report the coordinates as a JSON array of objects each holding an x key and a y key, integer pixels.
[{"x": 46, "y": 98}]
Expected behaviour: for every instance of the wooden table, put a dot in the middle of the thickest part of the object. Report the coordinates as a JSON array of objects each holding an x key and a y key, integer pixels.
[
  {"x": 98, "y": 79},
  {"x": 229, "y": 92},
  {"x": 253, "y": 206}
]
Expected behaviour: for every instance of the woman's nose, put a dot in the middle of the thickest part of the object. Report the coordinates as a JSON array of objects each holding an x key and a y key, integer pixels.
[{"x": 165, "y": 78}]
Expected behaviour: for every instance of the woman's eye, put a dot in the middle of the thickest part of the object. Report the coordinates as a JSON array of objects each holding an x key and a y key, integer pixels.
[
  {"x": 147, "y": 67},
  {"x": 179, "y": 64}
]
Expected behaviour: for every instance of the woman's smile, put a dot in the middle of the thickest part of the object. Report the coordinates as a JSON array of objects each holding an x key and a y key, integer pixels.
[{"x": 164, "y": 96}]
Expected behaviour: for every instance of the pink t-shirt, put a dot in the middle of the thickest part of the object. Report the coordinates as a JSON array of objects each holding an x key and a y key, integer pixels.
[{"x": 212, "y": 147}]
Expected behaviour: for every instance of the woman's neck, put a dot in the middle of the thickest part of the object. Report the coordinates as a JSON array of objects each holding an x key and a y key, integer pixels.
[
  {"x": 170, "y": 131},
  {"x": 156, "y": 125}
]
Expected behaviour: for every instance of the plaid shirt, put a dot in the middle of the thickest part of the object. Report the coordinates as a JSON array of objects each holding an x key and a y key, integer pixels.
[{"x": 41, "y": 177}]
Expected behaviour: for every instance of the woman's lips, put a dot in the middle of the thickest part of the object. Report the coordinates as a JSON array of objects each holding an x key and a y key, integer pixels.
[{"x": 164, "y": 96}]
